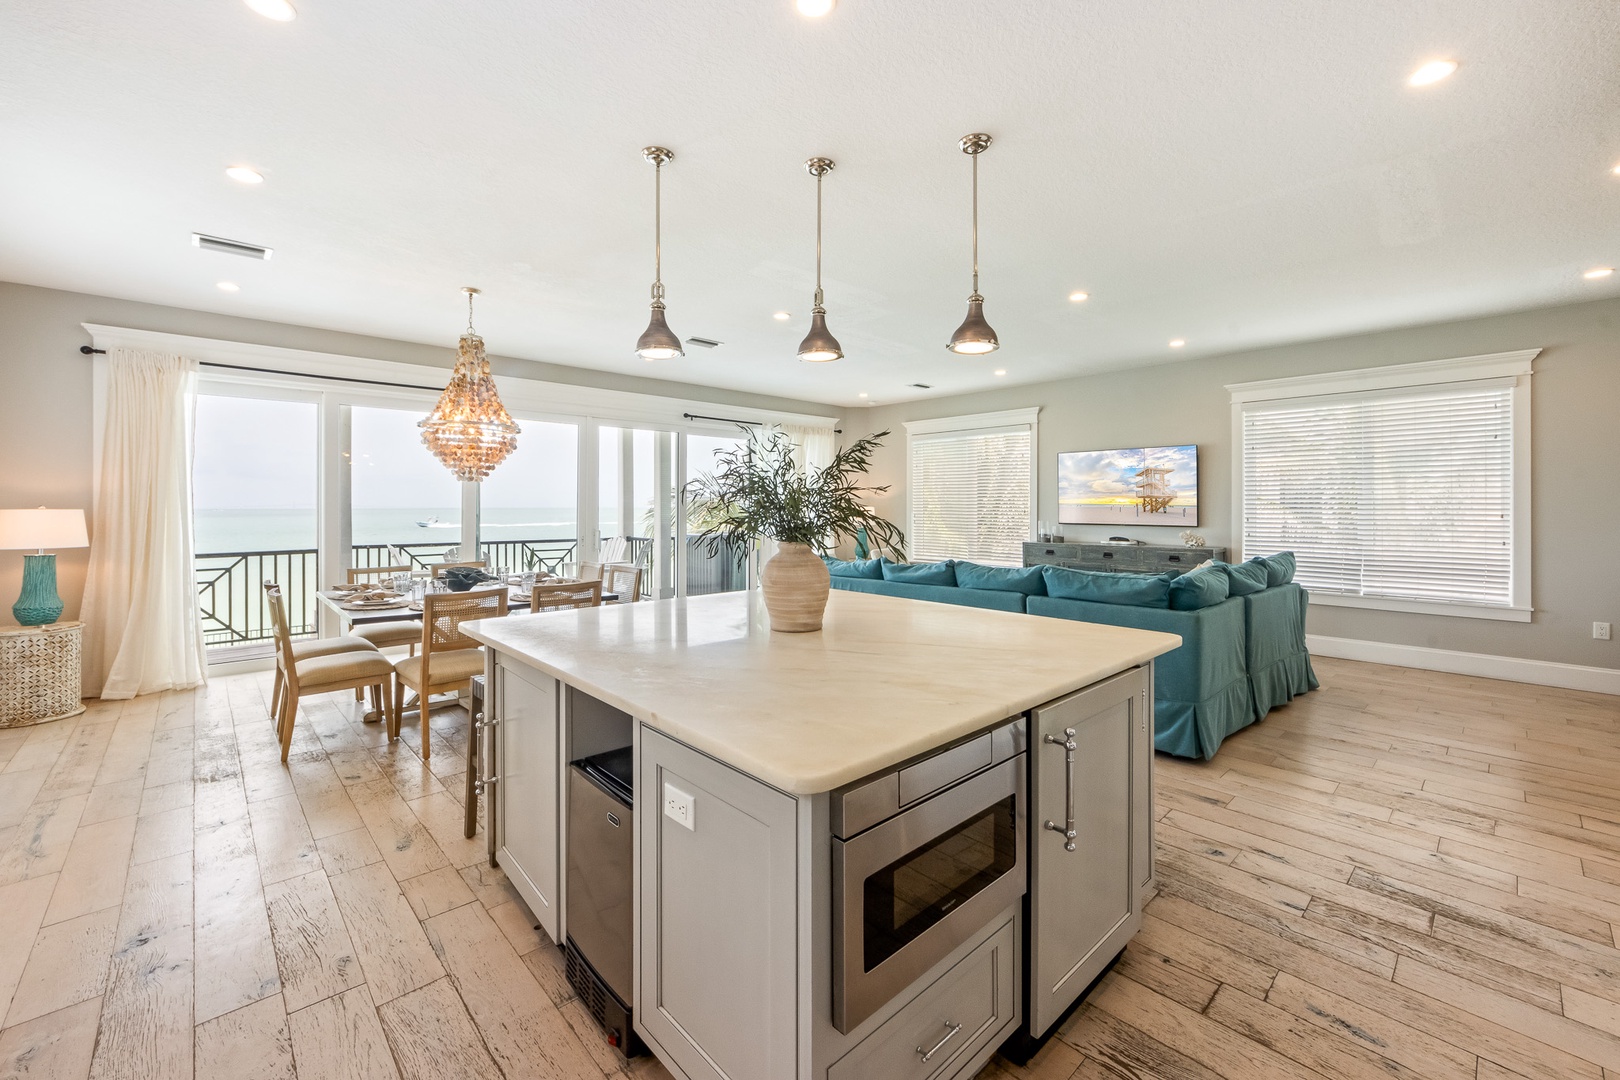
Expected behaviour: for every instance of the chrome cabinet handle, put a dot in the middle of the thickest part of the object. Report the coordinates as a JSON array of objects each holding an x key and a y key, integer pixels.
[
  {"x": 1067, "y": 828},
  {"x": 949, "y": 1035}
]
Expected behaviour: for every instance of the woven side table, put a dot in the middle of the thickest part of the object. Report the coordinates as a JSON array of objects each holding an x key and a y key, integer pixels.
[{"x": 39, "y": 673}]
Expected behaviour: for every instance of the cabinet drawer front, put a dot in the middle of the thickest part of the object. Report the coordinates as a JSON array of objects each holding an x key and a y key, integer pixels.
[
  {"x": 1176, "y": 560},
  {"x": 1115, "y": 556},
  {"x": 974, "y": 999}
]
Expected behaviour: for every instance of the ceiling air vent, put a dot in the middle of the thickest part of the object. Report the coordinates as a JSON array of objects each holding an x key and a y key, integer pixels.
[
  {"x": 228, "y": 247},
  {"x": 922, "y": 386},
  {"x": 704, "y": 342}
]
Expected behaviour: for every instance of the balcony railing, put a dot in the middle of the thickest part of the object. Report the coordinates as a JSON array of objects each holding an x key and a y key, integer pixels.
[{"x": 230, "y": 584}]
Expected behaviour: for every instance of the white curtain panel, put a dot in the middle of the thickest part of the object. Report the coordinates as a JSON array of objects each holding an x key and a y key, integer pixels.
[{"x": 143, "y": 630}]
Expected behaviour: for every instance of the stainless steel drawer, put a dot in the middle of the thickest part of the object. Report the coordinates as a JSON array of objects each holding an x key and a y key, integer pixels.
[{"x": 967, "y": 1008}]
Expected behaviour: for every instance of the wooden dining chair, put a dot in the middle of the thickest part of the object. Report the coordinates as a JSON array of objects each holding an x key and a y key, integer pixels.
[
  {"x": 449, "y": 659},
  {"x": 323, "y": 674},
  {"x": 303, "y": 650},
  {"x": 392, "y": 633},
  {"x": 623, "y": 579},
  {"x": 559, "y": 595},
  {"x": 589, "y": 571}
]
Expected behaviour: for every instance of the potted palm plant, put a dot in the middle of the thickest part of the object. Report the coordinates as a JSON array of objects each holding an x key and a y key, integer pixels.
[{"x": 759, "y": 490}]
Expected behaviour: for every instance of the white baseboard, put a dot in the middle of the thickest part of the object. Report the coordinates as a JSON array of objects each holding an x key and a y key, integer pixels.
[{"x": 1512, "y": 668}]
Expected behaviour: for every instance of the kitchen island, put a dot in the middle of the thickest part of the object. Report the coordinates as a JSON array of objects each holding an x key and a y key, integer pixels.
[{"x": 877, "y": 850}]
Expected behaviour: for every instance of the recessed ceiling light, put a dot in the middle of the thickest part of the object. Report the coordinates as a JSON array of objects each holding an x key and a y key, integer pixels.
[
  {"x": 863, "y": 395},
  {"x": 1001, "y": 371},
  {"x": 1432, "y": 72},
  {"x": 782, "y": 316},
  {"x": 815, "y": 9},
  {"x": 1177, "y": 343},
  {"x": 1598, "y": 272},
  {"x": 1079, "y": 297},
  {"x": 279, "y": 10},
  {"x": 228, "y": 286},
  {"x": 244, "y": 175},
  {"x": 1616, "y": 170}
]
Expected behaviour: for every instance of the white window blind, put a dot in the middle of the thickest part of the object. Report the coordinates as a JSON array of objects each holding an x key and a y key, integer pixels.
[
  {"x": 970, "y": 495},
  {"x": 1399, "y": 494}
]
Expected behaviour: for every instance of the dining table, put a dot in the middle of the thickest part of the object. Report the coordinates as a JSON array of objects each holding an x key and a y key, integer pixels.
[{"x": 334, "y": 601}]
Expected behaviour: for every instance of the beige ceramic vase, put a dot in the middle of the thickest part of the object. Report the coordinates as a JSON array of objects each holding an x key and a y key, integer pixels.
[{"x": 795, "y": 583}]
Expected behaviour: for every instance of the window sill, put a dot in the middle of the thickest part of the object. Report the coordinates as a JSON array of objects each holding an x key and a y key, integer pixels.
[{"x": 1423, "y": 607}]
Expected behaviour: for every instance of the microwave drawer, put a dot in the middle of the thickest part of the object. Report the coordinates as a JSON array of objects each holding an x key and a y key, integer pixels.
[{"x": 933, "y": 1036}]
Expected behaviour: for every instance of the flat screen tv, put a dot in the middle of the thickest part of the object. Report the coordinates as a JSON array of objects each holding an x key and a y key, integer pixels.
[{"x": 1147, "y": 485}]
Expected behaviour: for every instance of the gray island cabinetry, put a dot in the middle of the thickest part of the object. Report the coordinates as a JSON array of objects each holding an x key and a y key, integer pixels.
[{"x": 881, "y": 851}]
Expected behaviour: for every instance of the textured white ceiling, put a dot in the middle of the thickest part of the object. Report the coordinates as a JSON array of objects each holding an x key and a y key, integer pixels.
[{"x": 1238, "y": 173}]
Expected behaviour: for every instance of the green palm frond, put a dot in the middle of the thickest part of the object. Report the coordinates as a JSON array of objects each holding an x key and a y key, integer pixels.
[{"x": 758, "y": 489}]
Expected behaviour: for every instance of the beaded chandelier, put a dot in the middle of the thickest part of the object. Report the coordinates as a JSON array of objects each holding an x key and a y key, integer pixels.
[{"x": 469, "y": 430}]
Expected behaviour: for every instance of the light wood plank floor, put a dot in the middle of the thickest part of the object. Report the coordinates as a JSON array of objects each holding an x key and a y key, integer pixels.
[{"x": 1404, "y": 874}]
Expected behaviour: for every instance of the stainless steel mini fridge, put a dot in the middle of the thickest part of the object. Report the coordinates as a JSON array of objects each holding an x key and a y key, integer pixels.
[{"x": 600, "y": 901}]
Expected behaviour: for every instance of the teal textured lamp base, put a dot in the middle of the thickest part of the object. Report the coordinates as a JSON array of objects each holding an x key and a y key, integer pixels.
[{"x": 38, "y": 604}]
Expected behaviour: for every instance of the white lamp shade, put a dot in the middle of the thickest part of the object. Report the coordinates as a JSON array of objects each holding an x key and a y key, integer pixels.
[{"x": 36, "y": 530}]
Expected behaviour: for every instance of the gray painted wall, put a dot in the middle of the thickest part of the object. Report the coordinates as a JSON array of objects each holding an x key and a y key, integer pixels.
[
  {"x": 1575, "y": 456},
  {"x": 45, "y": 395}
]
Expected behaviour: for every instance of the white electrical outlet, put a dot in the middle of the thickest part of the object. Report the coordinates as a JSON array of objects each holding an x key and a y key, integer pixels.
[
  {"x": 1600, "y": 630},
  {"x": 680, "y": 807}
]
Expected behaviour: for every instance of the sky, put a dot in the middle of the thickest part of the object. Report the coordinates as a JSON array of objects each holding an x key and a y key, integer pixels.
[
  {"x": 1109, "y": 476},
  {"x": 255, "y": 454}
]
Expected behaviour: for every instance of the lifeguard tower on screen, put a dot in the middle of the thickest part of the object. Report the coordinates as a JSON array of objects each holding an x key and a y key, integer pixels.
[{"x": 1153, "y": 494}]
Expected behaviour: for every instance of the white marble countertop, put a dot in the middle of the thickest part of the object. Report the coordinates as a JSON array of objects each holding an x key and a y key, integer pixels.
[{"x": 884, "y": 679}]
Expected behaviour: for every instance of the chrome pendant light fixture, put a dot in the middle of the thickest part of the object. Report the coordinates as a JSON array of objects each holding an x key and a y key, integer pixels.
[
  {"x": 974, "y": 337},
  {"x": 819, "y": 346},
  {"x": 469, "y": 430},
  {"x": 659, "y": 341}
]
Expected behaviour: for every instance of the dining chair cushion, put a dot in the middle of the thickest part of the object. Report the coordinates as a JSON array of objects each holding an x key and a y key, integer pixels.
[
  {"x": 387, "y": 634},
  {"x": 346, "y": 667},
  {"x": 330, "y": 646},
  {"x": 454, "y": 666}
]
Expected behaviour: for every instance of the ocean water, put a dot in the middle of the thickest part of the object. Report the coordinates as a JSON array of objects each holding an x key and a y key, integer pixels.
[{"x": 281, "y": 530}]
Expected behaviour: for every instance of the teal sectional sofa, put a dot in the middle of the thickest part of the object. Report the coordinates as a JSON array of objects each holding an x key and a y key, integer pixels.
[{"x": 1242, "y": 629}]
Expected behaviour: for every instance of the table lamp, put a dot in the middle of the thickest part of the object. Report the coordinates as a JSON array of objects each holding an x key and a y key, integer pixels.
[{"x": 40, "y": 529}]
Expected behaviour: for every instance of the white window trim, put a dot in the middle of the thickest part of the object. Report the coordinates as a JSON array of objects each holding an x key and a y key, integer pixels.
[
  {"x": 1008, "y": 418},
  {"x": 1506, "y": 365}
]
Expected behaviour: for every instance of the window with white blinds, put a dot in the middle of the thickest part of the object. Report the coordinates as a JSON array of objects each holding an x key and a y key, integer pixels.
[
  {"x": 1403, "y": 493},
  {"x": 970, "y": 493}
]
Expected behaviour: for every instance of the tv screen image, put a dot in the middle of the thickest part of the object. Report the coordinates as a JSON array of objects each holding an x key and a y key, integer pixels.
[{"x": 1147, "y": 485}]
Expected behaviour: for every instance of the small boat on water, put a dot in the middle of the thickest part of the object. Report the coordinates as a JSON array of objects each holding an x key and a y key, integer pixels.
[{"x": 435, "y": 523}]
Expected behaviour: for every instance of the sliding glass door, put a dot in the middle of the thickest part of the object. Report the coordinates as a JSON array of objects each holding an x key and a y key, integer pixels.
[
  {"x": 255, "y": 515},
  {"x": 528, "y": 508},
  {"x": 404, "y": 507}
]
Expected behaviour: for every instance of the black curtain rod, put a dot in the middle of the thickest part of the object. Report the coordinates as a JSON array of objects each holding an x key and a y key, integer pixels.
[
  {"x": 734, "y": 420},
  {"x": 88, "y": 351}
]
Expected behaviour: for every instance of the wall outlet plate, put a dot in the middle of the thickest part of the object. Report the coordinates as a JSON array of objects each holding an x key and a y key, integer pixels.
[
  {"x": 1600, "y": 630},
  {"x": 680, "y": 807}
]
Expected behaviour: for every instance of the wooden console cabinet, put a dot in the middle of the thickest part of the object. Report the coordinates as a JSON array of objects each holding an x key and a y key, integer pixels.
[{"x": 1122, "y": 558}]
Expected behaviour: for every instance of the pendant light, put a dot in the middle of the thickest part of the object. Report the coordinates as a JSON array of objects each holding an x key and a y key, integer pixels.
[
  {"x": 974, "y": 337},
  {"x": 659, "y": 341},
  {"x": 469, "y": 430},
  {"x": 819, "y": 346}
]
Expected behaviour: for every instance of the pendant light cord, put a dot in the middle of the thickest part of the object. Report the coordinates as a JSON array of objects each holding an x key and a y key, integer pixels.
[
  {"x": 975, "y": 224},
  {"x": 819, "y": 175},
  {"x": 658, "y": 231}
]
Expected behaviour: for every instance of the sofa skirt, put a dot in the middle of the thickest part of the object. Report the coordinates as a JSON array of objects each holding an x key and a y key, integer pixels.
[
  {"x": 1281, "y": 682},
  {"x": 1194, "y": 729}
]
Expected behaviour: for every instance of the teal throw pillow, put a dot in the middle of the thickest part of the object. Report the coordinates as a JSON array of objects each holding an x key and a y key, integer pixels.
[
  {"x": 937, "y": 573},
  {"x": 861, "y": 568},
  {"x": 1279, "y": 568},
  {"x": 1019, "y": 579},
  {"x": 1127, "y": 590},
  {"x": 1246, "y": 578},
  {"x": 1202, "y": 587}
]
